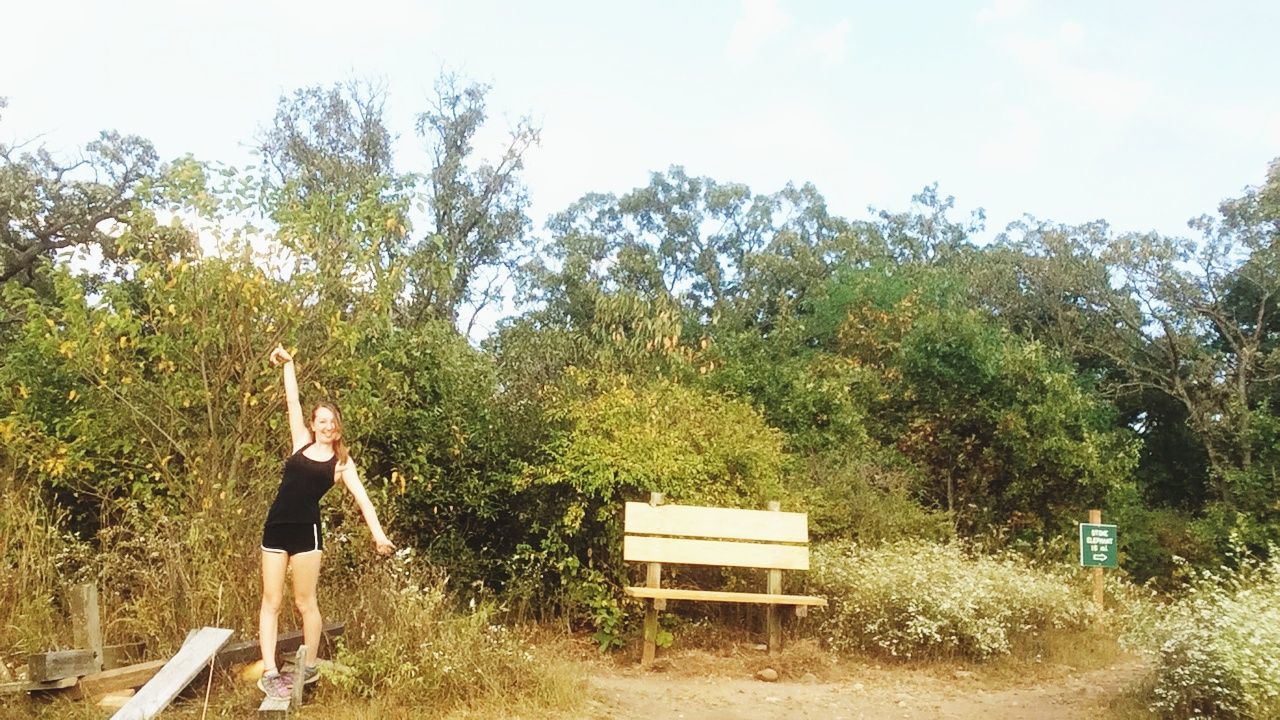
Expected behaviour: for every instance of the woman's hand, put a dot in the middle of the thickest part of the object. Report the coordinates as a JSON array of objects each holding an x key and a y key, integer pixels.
[
  {"x": 384, "y": 546},
  {"x": 279, "y": 356}
]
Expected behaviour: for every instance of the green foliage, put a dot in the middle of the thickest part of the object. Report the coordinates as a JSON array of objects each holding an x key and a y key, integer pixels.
[
  {"x": 808, "y": 394},
  {"x": 1217, "y": 650},
  {"x": 621, "y": 444},
  {"x": 1003, "y": 433},
  {"x": 697, "y": 447},
  {"x": 867, "y": 500},
  {"x": 1157, "y": 543},
  {"x": 915, "y": 599}
]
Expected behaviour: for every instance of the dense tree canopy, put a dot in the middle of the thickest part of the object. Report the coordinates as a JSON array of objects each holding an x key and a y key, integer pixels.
[{"x": 689, "y": 336}]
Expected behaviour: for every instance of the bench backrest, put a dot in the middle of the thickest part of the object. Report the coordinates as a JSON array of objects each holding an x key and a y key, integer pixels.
[{"x": 693, "y": 535}]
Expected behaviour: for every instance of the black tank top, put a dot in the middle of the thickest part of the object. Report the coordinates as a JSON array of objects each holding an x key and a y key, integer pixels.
[{"x": 305, "y": 481}]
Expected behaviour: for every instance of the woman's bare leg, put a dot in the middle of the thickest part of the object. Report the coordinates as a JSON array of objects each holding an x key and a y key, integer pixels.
[
  {"x": 306, "y": 575},
  {"x": 273, "y": 571}
]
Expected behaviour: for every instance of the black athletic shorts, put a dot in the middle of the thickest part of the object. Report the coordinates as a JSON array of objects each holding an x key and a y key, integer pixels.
[{"x": 292, "y": 538}]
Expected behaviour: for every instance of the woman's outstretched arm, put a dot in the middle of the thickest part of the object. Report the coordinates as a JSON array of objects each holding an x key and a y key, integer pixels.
[
  {"x": 351, "y": 479},
  {"x": 297, "y": 423}
]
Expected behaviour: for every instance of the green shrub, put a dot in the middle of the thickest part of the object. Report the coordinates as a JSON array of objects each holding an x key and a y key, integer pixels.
[
  {"x": 915, "y": 599},
  {"x": 409, "y": 643},
  {"x": 618, "y": 445},
  {"x": 865, "y": 499},
  {"x": 1217, "y": 650}
]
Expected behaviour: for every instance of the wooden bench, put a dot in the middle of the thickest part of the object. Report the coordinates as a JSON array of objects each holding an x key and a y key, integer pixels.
[{"x": 690, "y": 535}]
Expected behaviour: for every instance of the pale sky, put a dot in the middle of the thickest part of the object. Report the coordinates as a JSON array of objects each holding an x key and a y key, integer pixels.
[{"x": 1141, "y": 113}]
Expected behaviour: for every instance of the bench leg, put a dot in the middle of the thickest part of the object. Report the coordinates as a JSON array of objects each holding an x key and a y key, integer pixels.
[
  {"x": 650, "y": 632},
  {"x": 774, "y": 625}
]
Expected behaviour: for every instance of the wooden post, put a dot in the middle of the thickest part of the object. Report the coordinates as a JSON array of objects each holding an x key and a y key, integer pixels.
[
  {"x": 86, "y": 623},
  {"x": 299, "y": 676},
  {"x": 773, "y": 623},
  {"x": 1095, "y": 517},
  {"x": 653, "y": 579}
]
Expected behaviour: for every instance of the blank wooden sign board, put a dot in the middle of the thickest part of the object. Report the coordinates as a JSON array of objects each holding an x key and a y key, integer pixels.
[{"x": 181, "y": 669}]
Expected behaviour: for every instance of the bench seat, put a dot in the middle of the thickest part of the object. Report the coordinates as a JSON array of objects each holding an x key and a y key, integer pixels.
[{"x": 720, "y": 596}]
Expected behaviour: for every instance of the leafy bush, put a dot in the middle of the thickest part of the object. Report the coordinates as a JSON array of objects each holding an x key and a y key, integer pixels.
[
  {"x": 697, "y": 447},
  {"x": 916, "y": 599},
  {"x": 865, "y": 499},
  {"x": 1217, "y": 650}
]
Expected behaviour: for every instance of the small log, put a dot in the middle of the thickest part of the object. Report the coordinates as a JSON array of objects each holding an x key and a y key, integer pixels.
[
  {"x": 116, "y": 680},
  {"x": 299, "y": 674},
  {"x": 59, "y": 664}
]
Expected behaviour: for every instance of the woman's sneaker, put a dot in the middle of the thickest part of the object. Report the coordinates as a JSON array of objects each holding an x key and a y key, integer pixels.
[
  {"x": 310, "y": 674},
  {"x": 276, "y": 685}
]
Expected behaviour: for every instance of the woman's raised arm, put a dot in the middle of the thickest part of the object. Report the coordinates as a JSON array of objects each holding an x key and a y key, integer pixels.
[{"x": 297, "y": 423}]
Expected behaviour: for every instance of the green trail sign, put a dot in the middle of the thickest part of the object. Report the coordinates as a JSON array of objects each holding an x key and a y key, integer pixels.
[{"x": 1098, "y": 545}]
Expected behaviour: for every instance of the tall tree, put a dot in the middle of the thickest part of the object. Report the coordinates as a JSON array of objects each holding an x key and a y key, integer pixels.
[
  {"x": 1193, "y": 321},
  {"x": 103, "y": 199},
  {"x": 476, "y": 207}
]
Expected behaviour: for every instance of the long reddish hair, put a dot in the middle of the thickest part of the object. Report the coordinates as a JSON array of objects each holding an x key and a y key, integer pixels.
[{"x": 339, "y": 445}]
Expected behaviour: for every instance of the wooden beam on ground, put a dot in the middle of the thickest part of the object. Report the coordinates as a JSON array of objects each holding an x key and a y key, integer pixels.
[
  {"x": 86, "y": 622},
  {"x": 58, "y": 664},
  {"x": 194, "y": 655},
  {"x": 28, "y": 686},
  {"x": 116, "y": 656},
  {"x": 115, "y": 680},
  {"x": 248, "y": 650},
  {"x": 115, "y": 700}
]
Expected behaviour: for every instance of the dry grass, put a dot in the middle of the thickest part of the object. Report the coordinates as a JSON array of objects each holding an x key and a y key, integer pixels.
[
  {"x": 30, "y": 546},
  {"x": 713, "y": 652},
  {"x": 415, "y": 653}
]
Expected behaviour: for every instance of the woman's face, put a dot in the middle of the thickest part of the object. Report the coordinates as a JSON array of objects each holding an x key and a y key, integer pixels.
[{"x": 324, "y": 425}]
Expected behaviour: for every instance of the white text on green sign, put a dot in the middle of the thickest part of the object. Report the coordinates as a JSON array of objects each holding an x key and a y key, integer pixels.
[{"x": 1098, "y": 545}]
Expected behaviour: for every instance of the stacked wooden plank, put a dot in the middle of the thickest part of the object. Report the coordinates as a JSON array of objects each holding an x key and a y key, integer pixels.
[{"x": 110, "y": 673}]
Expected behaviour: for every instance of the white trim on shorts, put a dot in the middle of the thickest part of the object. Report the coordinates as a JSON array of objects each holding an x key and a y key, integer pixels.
[{"x": 315, "y": 534}]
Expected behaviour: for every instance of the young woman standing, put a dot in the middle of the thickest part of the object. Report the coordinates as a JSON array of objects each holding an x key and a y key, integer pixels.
[{"x": 291, "y": 537}]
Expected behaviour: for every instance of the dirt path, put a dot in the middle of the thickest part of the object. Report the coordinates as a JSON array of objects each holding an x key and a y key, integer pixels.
[{"x": 620, "y": 693}]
